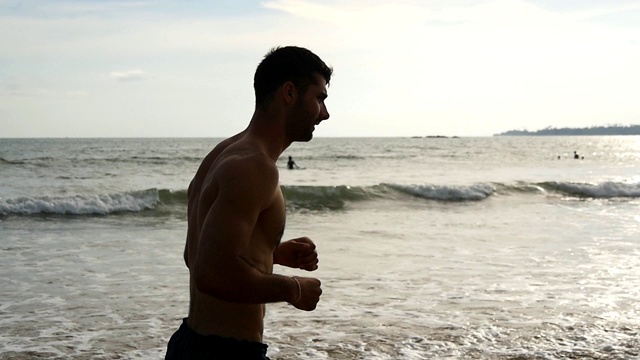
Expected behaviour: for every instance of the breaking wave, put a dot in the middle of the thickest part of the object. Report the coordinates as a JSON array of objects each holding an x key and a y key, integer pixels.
[
  {"x": 446, "y": 192},
  {"x": 311, "y": 197},
  {"x": 605, "y": 190},
  {"x": 132, "y": 201}
]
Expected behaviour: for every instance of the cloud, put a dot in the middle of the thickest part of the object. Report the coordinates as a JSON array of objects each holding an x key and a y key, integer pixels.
[
  {"x": 426, "y": 64},
  {"x": 130, "y": 75}
]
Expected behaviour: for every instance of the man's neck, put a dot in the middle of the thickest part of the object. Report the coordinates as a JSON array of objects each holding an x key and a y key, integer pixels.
[{"x": 268, "y": 130}]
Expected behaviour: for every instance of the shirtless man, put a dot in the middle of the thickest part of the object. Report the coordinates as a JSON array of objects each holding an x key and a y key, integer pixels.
[{"x": 236, "y": 217}]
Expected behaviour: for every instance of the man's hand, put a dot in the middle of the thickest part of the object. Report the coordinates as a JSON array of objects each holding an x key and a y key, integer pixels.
[
  {"x": 297, "y": 253},
  {"x": 309, "y": 294}
]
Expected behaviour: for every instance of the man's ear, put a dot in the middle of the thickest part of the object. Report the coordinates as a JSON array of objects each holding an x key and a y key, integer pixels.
[{"x": 289, "y": 92}]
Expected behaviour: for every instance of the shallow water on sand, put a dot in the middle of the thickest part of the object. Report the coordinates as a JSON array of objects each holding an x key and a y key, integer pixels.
[{"x": 496, "y": 287}]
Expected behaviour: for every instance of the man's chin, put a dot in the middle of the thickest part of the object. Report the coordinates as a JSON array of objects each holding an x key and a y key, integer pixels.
[{"x": 306, "y": 137}]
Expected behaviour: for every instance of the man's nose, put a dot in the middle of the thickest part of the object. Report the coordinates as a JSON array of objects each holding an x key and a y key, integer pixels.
[{"x": 324, "y": 115}]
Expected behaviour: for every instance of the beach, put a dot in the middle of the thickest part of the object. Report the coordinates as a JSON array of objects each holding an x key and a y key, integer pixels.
[{"x": 430, "y": 248}]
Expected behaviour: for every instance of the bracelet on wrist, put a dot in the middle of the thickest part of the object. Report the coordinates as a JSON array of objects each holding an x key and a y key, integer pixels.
[{"x": 299, "y": 290}]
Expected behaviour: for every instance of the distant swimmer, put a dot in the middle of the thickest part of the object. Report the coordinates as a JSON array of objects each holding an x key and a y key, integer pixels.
[{"x": 292, "y": 164}]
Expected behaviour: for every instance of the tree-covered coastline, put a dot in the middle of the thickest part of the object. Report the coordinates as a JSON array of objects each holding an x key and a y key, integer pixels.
[{"x": 594, "y": 130}]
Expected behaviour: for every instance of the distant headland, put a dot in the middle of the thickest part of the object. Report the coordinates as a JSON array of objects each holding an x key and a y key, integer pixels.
[{"x": 594, "y": 130}]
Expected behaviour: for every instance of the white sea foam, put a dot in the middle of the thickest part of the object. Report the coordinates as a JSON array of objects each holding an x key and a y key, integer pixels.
[
  {"x": 606, "y": 189},
  {"x": 447, "y": 192},
  {"x": 134, "y": 201}
]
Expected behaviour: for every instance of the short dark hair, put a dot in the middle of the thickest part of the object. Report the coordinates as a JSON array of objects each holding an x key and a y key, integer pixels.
[{"x": 289, "y": 63}]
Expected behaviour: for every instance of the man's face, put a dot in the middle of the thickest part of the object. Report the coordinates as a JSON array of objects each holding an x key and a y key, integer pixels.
[{"x": 309, "y": 110}]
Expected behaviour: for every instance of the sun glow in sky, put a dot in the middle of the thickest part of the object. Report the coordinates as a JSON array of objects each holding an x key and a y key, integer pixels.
[{"x": 169, "y": 68}]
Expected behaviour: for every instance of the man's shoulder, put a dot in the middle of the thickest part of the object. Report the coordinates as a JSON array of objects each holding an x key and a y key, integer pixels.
[
  {"x": 244, "y": 161},
  {"x": 210, "y": 159},
  {"x": 245, "y": 177}
]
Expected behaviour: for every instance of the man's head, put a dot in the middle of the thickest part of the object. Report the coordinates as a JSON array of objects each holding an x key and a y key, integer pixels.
[{"x": 282, "y": 64}]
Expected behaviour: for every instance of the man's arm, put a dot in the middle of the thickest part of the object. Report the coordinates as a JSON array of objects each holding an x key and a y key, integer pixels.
[{"x": 245, "y": 189}]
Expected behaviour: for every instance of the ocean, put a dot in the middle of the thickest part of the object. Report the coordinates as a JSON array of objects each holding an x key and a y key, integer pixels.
[{"x": 430, "y": 248}]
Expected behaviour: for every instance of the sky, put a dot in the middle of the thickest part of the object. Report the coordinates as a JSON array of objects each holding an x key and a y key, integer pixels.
[{"x": 184, "y": 68}]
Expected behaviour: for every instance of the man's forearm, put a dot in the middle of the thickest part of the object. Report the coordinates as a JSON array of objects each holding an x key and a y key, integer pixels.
[{"x": 246, "y": 284}]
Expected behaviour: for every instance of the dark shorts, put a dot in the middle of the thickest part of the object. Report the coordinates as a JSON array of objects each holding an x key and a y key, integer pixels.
[{"x": 187, "y": 344}]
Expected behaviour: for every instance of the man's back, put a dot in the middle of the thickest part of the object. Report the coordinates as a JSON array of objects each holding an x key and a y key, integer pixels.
[{"x": 194, "y": 194}]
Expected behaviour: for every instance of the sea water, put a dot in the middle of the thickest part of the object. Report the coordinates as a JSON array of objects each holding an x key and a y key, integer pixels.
[{"x": 430, "y": 248}]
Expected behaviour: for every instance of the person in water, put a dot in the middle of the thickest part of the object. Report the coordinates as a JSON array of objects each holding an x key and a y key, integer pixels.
[
  {"x": 292, "y": 164},
  {"x": 236, "y": 217}
]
